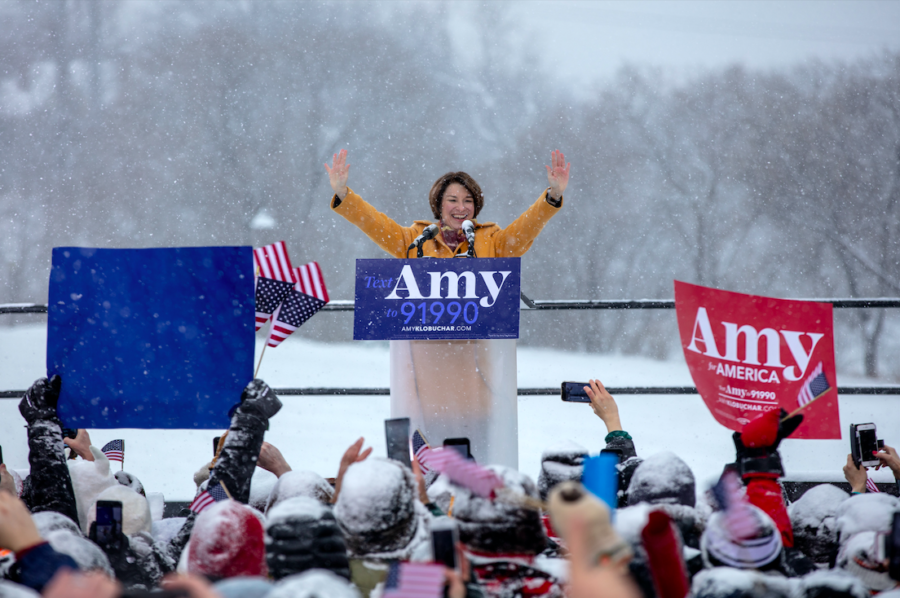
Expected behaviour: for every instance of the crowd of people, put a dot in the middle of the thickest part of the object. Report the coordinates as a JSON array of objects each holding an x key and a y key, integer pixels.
[{"x": 313, "y": 537}]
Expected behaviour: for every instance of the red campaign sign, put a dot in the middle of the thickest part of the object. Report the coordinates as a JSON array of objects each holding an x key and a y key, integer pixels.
[{"x": 749, "y": 355}]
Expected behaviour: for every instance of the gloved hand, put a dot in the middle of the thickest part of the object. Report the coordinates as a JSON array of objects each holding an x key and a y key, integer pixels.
[
  {"x": 757, "y": 444},
  {"x": 260, "y": 400},
  {"x": 39, "y": 402},
  {"x": 300, "y": 542}
]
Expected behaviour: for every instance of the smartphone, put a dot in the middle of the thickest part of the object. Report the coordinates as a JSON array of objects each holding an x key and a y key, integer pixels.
[
  {"x": 461, "y": 446},
  {"x": 601, "y": 478},
  {"x": 396, "y": 431},
  {"x": 573, "y": 392},
  {"x": 108, "y": 527},
  {"x": 69, "y": 432},
  {"x": 216, "y": 444},
  {"x": 864, "y": 444},
  {"x": 444, "y": 538}
]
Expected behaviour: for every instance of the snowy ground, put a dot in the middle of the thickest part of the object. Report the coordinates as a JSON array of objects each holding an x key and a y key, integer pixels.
[{"x": 312, "y": 432}]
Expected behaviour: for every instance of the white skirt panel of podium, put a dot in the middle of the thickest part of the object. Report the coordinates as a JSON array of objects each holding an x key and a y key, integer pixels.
[{"x": 454, "y": 389}]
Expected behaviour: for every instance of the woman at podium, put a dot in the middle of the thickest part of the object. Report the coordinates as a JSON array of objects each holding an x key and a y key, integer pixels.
[{"x": 454, "y": 199}]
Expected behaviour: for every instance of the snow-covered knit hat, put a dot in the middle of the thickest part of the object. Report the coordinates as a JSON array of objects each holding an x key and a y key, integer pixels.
[
  {"x": 814, "y": 521},
  {"x": 51, "y": 521},
  {"x": 89, "y": 479},
  {"x": 135, "y": 509},
  {"x": 570, "y": 499},
  {"x": 376, "y": 506},
  {"x": 866, "y": 513},
  {"x": 559, "y": 464},
  {"x": 494, "y": 526},
  {"x": 300, "y": 483},
  {"x": 725, "y": 582},
  {"x": 302, "y": 534},
  {"x": 87, "y": 555},
  {"x": 831, "y": 583},
  {"x": 663, "y": 478},
  {"x": 314, "y": 584},
  {"x": 227, "y": 541},
  {"x": 757, "y": 549},
  {"x": 859, "y": 556}
]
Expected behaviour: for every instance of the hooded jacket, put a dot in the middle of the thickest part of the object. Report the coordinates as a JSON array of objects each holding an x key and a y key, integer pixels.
[{"x": 490, "y": 239}]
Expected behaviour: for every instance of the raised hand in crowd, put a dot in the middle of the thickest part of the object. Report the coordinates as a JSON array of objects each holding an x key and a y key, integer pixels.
[
  {"x": 557, "y": 174},
  {"x": 7, "y": 482},
  {"x": 39, "y": 402},
  {"x": 420, "y": 481},
  {"x": 855, "y": 476},
  {"x": 75, "y": 584},
  {"x": 889, "y": 458},
  {"x": 339, "y": 170},
  {"x": 81, "y": 444},
  {"x": 604, "y": 405},
  {"x": 271, "y": 459},
  {"x": 17, "y": 530},
  {"x": 588, "y": 580},
  {"x": 353, "y": 454}
]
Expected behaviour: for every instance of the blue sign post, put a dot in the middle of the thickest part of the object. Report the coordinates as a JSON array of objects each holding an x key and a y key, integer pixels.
[{"x": 432, "y": 299}]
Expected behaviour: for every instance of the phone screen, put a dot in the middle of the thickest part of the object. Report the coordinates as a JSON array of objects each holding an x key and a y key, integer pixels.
[
  {"x": 109, "y": 521},
  {"x": 69, "y": 432},
  {"x": 868, "y": 444},
  {"x": 573, "y": 392},
  {"x": 216, "y": 444},
  {"x": 397, "y": 433},
  {"x": 460, "y": 445},
  {"x": 1, "y": 455},
  {"x": 443, "y": 542}
]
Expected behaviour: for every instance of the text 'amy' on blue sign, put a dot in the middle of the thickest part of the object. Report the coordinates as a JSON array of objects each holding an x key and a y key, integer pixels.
[{"x": 433, "y": 299}]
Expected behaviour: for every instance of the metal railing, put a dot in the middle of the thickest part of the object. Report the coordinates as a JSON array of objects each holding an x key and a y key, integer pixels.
[{"x": 532, "y": 305}]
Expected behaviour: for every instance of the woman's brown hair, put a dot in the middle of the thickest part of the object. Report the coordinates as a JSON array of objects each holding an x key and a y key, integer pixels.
[{"x": 436, "y": 195}]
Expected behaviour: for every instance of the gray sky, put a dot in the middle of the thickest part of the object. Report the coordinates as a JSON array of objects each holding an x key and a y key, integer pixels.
[{"x": 586, "y": 40}]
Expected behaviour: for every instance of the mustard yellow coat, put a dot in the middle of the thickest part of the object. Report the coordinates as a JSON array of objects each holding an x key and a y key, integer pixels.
[{"x": 490, "y": 239}]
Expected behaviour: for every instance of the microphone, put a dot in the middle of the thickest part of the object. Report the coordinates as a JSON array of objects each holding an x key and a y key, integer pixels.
[
  {"x": 429, "y": 233},
  {"x": 469, "y": 229}
]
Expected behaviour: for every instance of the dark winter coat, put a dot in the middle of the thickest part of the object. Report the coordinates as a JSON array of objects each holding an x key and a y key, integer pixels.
[
  {"x": 36, "y": 566},
  {"x": 312, "y": 539},
  {"x": 629, "y": 462},
  {"x": 48, "y": 487}
]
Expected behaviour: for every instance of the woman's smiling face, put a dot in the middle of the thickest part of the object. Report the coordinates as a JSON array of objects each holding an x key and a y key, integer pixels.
[{"x": 457, "y": 206}]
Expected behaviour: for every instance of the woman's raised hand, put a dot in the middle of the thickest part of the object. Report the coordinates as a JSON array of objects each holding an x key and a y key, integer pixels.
[
  {"x": 337, "y": 173},
  {"x": 557, "y": 174}
]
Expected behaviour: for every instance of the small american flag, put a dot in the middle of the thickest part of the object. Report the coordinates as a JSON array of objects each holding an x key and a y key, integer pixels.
[
  {"x": 272, "y": 261},
  {"x": 414, "y": 580},
  {"x": 815, "y": 386},
  {"x": 209, "y": 497},
  {"x": 421, "y": 450},
  {"x": 269, "y": 295},
  {"x": 466, "y": 473},
  {"x": 309, "y": 280},
  {"x": 114, "y": 450},
  {"x": 739, "y": 518},
  {"x": 870, "y": 485},
  {"x": 297, "y": 308}
]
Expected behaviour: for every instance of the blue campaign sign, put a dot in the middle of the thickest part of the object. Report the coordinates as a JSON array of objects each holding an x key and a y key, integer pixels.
[
  {"x": 431, "y": 299},
  {"x": 150, "y": 338}
]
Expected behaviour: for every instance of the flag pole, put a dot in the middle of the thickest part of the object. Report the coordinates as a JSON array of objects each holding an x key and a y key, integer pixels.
[
  {"x": 266, "y": 344},
  {"x": 122, "y": 462},
  {"x": 804, "y": 406}
]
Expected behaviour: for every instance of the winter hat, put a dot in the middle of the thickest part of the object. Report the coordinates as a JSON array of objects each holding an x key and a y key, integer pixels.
[
  {"x": 51, "y": 521},
  {"x": 859, "y": 556},
  {"x": 227, "y": 541},
  {"x": 375, "y": 508},
  {"x": 302, "y": 534},
  {"x": 725, "y": 582},
  {"x": 559, "y": 464},
  {"x": 662, "y": 478},
  {"x": 494, "y": 526},
  {"x": 87, "y": 555},
  {"x": 9, "y": 589},
  {"x": 569, "y": 500},
  {"x": 314, "y": 584},
  {"x": 130, "y": 481},
  {"x": 814, "y": 521},
  {"x": 300, "y": 483},
  {"x": 866, "y": 513},
  {"x": 754, "y": 548},
  {"x": 831, "y": 583},
  {"x": 243, "y": 587},
  {"x": 135, "y": 509},
  {"x": 89, "y": 479},
  {"x": 262, "y": 483}
]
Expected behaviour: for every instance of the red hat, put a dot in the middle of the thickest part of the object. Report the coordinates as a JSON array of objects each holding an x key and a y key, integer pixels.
[{"x": 227, "y": 541}]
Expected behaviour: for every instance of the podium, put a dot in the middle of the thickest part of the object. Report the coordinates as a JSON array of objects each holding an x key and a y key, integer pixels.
[{"x": 460, "y": 388}]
